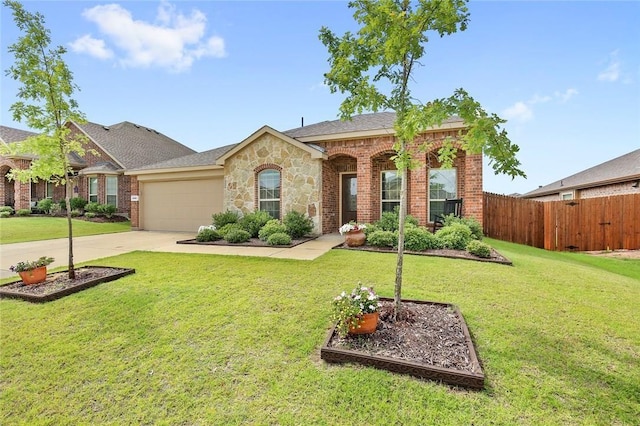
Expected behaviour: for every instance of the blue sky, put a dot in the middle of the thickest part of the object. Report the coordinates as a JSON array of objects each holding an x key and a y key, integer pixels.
[{"x": 566, "y": 75}]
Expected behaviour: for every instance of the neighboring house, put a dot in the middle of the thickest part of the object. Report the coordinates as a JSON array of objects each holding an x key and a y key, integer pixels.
[
  {"x": 111, "y": 151},
  {"x": 614, "y": 177},
  {"x": 333, "y": 171}
]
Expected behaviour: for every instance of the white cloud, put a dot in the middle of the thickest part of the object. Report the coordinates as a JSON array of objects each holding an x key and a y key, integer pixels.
[
  {"x": 612, "y": 71},
  {"x": 538, "y": 99},
  {"x": 174, "y": 41},
  {"x": 566, "y": 95},
  {"x": 519, "y": 111},
  {"x": 91, "y": 46}
]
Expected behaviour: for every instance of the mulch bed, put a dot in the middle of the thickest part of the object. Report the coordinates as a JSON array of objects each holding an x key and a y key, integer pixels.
[
  {"x": 58, "y": 284},
  {"x": 253, "y": 242},
  {"x": 495, "y": 257},
  {"x": 430, "y": 340}
]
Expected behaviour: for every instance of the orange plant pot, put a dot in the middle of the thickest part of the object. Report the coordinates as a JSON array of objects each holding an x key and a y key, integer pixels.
[
  {"x": 355, "y": 238},
  {"x": 34, "y": 276},
  {"x": 367, "y": 324}
]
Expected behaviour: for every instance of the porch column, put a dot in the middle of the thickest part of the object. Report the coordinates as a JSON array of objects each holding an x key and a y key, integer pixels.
[
  {"x": 417, "y": 202},
  {"x": 365, "y": 207},
  {"x": 472, "y": 205}
]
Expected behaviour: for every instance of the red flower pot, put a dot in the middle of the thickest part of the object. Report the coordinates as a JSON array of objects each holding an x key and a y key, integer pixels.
[
  {"x": 34, "y": 276},
  {"x": 366, "y": 325},
  {"x": 355, "y": 238}
]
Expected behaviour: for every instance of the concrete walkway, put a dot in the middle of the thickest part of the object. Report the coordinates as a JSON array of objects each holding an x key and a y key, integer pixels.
[{"x": 98, "y": 246}]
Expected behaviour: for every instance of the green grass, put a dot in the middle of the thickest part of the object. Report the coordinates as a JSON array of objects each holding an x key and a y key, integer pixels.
[
  {"x": 22, "y": 229},
  {"x": 218, "y": 340}
]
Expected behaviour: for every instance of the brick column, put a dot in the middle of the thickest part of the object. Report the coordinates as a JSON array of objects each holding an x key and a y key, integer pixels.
[
  {"x": 135, "y": 205},
  {"x": 473, "y": 197},
  {"x": 365, "y": 208}
]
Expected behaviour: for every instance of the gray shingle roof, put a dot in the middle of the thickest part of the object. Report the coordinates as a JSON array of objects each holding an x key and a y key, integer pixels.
[
  {"x": 625, "y": 167},
  {"x": 10, "y": 135},
  {"x": 205, "y": 158},
  {"x": 358, "y": 123},
  {"x": 133, "y": 145}
]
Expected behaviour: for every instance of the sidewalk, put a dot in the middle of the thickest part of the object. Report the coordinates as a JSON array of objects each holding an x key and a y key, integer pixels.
[{"x": 98, "y": 246}]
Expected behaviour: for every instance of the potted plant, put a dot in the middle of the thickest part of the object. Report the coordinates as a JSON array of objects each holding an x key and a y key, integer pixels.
[
  {"x": 32, "y": 271},
  {"x": 353, "y": 232},
  {"x": 357, "y": 312}
]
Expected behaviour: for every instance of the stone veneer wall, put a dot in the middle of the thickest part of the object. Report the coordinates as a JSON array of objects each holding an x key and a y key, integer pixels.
[{"x": 301, "y": 178}]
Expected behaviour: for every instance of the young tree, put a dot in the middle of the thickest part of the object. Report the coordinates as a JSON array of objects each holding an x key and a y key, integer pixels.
[
  {"x": 45, "y": 105},
  {"x": 384, "y": 53}
]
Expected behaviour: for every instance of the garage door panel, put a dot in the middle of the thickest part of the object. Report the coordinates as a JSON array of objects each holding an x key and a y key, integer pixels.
[{"x": 180, "y": 205}]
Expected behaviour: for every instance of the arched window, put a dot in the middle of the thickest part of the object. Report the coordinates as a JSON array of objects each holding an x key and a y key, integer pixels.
[{"x": 269, "y": 192}]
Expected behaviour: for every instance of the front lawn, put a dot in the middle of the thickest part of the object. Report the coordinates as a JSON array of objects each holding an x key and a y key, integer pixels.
[
  {"x": 205, "y": 339},
  {"x": 22, "y": 229}
]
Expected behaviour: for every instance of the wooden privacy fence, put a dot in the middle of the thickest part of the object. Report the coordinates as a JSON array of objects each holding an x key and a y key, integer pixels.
[{"x": 603, "y": 223}]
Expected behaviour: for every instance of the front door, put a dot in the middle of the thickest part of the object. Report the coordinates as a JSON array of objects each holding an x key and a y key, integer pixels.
[{"x": 349, "y": 198}]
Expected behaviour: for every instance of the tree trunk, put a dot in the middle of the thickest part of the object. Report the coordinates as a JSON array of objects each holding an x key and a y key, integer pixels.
[
  {"x": 402, "y": 215},
  {"x": 67, "y": 200}
]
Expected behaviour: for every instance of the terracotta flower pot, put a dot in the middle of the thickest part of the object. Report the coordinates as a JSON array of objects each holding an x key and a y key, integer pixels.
[
  {"x": 367, "y": 324},
  {"x": 355, "y": 238},
  {"x": 34, "y": 276}
]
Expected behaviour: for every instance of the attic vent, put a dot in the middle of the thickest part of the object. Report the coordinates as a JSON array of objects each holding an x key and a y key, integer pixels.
[{"x": 105, "y": 127}]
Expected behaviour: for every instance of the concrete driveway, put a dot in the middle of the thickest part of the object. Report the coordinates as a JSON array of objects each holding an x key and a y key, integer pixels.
[{"x": 98, "y": 246}]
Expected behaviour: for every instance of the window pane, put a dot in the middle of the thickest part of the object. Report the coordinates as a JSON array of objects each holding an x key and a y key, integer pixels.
[
  {"x": 443, "y": 184},
  {"x": 112, "y": 190},
  {"x": 269, "y": 192},
  {"x": 93, "y": 190}
]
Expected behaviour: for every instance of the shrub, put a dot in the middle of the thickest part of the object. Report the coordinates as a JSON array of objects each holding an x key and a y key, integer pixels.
[
  {"x": 420, "y": 239},
  {"x": 92, "y": 207},
  {"x": 382, "y": 238},
  {"x": 55, "y": 209},
  {"x": 228, "y": 228},
  {"x": 298, "y": 225},
  {"x": 479, "y": 248},
  {"x": 76, "y": 213},
  {"x": 208, "y": 234},
  {"x": 390, "y": 221},
  {"x": 237, "y": 236},
  {"x": 107, "y": 209},
  {"x": 4, "y": 214},
  {"x": 77, "y": 203},
  {"x": 45, "y": 205},
  {"x": 455, "y": 236},
  {"x": 23, "y": 212},
  {"x": 471, "y": 222},
  {"x": 223, "y": 218},
  {"x": 253, "y": 222},
  {"x": 8, "y": 209},
  {"x": 274, "y": 226},
  {"x": 90, "y": 215},
  {"x": 370, "y": 229},
  {"x": 279, "y": 239},
  {"x": 63, "y": 205}
]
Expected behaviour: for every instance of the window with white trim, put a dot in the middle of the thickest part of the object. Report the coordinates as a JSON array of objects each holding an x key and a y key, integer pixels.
[
  {"x": 49, "y": 193},
  {"x": 567, "y": 195},
  {"x": 269, "y": 192},
  {"x": 93, "y": 189},
  {"x": 112, "y": 190},
  {"x": 443, "y": 185},
  {"x": 390, "y": 186}
]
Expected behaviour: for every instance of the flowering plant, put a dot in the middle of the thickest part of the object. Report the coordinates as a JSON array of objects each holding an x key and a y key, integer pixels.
[
  {"x": 351, "y": 226},
  {"x": 31, "y": 264},
  {"x": 348, "y": 309}
]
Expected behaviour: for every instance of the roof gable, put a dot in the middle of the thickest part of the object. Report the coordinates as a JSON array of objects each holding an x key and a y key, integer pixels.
[
  {"x": 314, "y": 151},
  {"x": 10, "y": 135}
]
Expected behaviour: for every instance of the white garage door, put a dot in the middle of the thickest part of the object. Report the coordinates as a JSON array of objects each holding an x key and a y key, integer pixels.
[{"x": 179, "y": 205}]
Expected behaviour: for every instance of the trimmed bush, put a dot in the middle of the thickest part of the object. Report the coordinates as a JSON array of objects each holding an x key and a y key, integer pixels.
[
  {"x": 77, "y": 203},
  {"x": 63, "y": 205},
  {"x": 382, "y": 238},
  {"x": 223, "y": 218},
  {"x": 253, "y": 222},
  {"x": 279, "y": 239},
  {"x": 107, "y": 209},
  {"x": 90, "y": 215},
  {"x": 420, "y": 239},
  {"x": 76, "y": 213},
  {"x": 208, "y": 234},
  {"x": 390, "y": 221},
  {"x": 237, "y": 236},
  {"x": 23, "y": 212},
  {"x": 4, "y": 214},
  {"x": 298, "y": 225},
  {"x": 228, "y": 228},
  {"x": 45, "y": 205},
  {"x": 92, "y": 207},
  {"x": 8, "y": 209},
  {"x": 371, "y": 228},
  {"x": 274, "y": 226},
  {"x": 455, "y": 236},
  {"x": 471, "y": 222},
  {"x": 479, "y": 248},
  {"x": 55, "y": 209}
]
